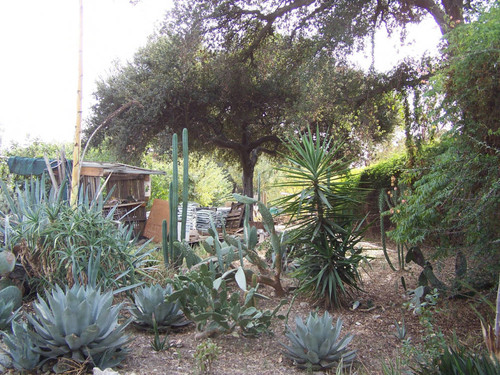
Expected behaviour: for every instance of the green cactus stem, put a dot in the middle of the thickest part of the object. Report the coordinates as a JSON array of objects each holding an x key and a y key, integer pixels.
[
  {"x": 164, "y": 241},
  {"x": 185, "y": 182}
]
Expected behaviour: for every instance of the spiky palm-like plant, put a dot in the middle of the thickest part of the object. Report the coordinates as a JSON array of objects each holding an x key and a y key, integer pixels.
[
  {"x": 327, "y": 233},
  {"x": 317, "y": 344}
]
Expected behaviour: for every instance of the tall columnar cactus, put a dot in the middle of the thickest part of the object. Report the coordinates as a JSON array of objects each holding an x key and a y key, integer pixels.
[
  {"x": 174, "y": 192},
  {"x": 164, "y": 241},
  {"x": 172, "y": 253},
  {"x": 185, "y": 182}
]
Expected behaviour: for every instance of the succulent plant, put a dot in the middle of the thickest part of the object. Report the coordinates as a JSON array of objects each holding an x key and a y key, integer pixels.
[
  {"x": 7, "y": 314},
  {"x": 12, "y": 294},
  {"x": 317, "y": 344},
  {"x": 21, "y": 348},
  {"x": 149, "y": 301},
  {"x": 10, "y": 300},
  {"x": 79, "y": 323}
]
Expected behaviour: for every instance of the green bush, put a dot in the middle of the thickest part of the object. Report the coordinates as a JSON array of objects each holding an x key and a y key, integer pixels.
[
  {"x": 209, "y": 185},
  {"x": 454, "y": 201},
  {"x": 378, "y": 176}
]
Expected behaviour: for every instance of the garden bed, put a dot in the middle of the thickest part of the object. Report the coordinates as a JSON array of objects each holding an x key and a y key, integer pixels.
[{"x": 372, "y": 323}]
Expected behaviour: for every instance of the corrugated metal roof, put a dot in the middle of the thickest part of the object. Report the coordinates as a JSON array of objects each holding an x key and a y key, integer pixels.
[
  {"x": 36, "y": 166},
  {"x": 119, "y": 168}
]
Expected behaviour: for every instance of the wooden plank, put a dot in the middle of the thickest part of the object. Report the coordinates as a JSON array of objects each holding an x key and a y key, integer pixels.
[
  {"x": 92, "y": 171},
  {"x": 159, "y": 211}
]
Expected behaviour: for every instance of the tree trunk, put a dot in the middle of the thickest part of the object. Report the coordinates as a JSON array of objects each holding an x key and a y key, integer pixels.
[{"x": 248, "y": 161}]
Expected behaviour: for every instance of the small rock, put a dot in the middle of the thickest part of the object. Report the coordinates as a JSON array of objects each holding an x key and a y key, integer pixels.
[
  {"x": 358, "y": 323},
  {"x": 108, "y": 371},
  {"x": 303, "y": 304},
  {"x": 176, "y": 344}
]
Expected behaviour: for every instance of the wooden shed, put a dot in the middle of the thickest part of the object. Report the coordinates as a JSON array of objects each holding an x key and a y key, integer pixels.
[
  {"x": 131, "y": 185},
  {"x": 130, "y": 189}
]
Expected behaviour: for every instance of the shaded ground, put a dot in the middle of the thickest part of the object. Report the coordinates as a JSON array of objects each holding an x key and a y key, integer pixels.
[{"x": 374, "y": 330}]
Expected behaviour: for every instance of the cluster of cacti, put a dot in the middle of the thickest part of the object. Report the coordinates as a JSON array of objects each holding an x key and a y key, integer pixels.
[
  {"x": 317, "y": 345},
  {"x": 79, "y": 323},
  {"x": 208, "y": 302},
  {"x": 172, "y": 252},
  {"x": 150, "y": 308}
]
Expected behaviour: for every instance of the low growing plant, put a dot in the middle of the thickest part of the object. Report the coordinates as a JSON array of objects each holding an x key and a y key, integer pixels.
[
  {"x": 206, "y": 354},
  {"x": 460, "y": 361},
  {"x": 150, "y": 308},
  {"x": 79, "y": 323},
  {"x": 157, "y": 344},
  {"x": 317, "y": 345}
]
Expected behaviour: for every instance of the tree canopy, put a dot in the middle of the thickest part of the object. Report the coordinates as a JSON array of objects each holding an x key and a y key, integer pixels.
[
  {"x": 240, "y": 106},
  {"x": 335, "y": 24}
]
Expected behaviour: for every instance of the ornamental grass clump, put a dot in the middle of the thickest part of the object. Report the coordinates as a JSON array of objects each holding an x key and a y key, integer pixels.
[{"x": 317, "y": 345}]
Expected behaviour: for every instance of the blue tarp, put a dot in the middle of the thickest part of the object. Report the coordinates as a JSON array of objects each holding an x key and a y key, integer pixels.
[{"x": 32, "y": 166}]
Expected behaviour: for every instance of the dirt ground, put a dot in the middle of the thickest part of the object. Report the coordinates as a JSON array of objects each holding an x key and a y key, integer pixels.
[
  {"x": 373, "y": 328},
  {"x": 372, "y": 323}
]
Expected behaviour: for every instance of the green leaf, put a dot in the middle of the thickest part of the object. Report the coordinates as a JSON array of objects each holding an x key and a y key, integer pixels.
[{"x": 241, "y": 278}]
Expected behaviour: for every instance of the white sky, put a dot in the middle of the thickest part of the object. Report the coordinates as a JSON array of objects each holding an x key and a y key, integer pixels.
[{"x": 39, "y": 58}]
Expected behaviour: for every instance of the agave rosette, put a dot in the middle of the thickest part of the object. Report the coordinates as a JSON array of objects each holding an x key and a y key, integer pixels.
[
  {"x": 317, "y": 343},
  {"x": 150, "y": 301},
  {"x": 79, "y": 323}
]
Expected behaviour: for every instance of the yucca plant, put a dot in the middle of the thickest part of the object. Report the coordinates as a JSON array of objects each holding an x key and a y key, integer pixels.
[
  {"x": 150, "y": 307},
  {"x": 317, "y": 344},
  {"x": 327, "y": 234},
  {"x": 79, "y": 323},
  {"x": 21, "y": 348}
]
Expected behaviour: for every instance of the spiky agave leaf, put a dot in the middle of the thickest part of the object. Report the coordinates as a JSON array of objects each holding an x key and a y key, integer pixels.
[
  {"x": 317, "y": 344},
  {"x": 21, "y": 348},
  {"x": 149, "y": 301},
  {"x": 79, "y": 323}
]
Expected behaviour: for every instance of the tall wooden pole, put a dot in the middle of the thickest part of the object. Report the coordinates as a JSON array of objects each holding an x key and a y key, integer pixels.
[{"x": 77, "y": 145}]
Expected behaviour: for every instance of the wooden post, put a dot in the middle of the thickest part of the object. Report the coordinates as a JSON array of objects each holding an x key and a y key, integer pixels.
[{"x": 75, "y": 175}]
